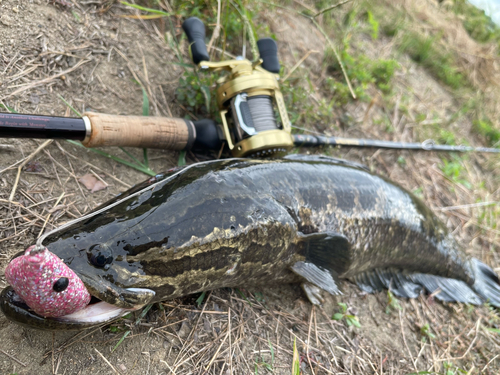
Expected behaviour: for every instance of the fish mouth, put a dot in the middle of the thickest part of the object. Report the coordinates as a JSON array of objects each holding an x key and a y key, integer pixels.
[
  {"x": 98, "y": 312},
  {"x": 95, "y": 313},
  {"x": 109, "y": 302}
]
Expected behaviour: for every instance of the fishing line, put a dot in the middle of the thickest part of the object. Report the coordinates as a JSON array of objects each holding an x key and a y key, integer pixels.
[
  {"x": 39, "y": 246},
  {"x": 262, "y": 112}
]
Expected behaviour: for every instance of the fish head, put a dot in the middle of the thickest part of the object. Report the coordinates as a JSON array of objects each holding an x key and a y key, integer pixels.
[{"x": 47, "y": 294}]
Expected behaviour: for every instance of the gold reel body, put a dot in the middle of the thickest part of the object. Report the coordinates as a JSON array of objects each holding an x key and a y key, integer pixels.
[{"x": 246, "y": 98}]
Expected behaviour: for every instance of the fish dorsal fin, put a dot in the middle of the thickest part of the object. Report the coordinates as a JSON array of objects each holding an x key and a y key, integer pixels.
[{"x": 328, "y": 250}]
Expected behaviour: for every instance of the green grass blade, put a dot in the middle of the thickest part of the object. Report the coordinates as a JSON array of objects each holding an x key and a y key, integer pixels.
[
  {"x": 184, "y": 65},
  {"x": 206, "y": 93},
  {"x": 145, "y": 102},
  {"x": 200, "y": 299},
  {"x": 150, "y": 10},
  {"x": 69, "y": 106},
  {"x": 173, "y": 42},
  {"x": 143, "y": 313},
  {"x": 272, "y": 351},
  {"x": 251, "y": 30},
  {"x": 11, "y": 110},
  {"x": 145, "y": 155},
  {"x": 296, "y": 359},
  {"x": 133, "y": 158},
  {"x": 243, "y": 296},
  {"x": 121, "y": 340},
  {"x": 182, "y": 159},
  {"x": 77, "y": 17},
  {"x": 139, "y": 168}
]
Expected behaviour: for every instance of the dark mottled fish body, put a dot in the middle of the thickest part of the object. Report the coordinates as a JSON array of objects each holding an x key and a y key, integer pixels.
[{"x": 243, "y": 222}]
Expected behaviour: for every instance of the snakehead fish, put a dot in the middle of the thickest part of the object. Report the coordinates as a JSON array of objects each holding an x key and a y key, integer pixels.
[{"x": 243, "y": 222}]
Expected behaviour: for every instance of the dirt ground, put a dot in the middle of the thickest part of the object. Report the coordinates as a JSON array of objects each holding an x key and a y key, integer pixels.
[{"x": 87, "y": 54}]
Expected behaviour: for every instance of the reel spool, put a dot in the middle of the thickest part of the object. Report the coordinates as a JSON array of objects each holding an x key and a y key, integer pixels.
[{"x": 248, "y": 97}]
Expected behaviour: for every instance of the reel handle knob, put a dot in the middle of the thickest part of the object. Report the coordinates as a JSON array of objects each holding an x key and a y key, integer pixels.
[
  {"x": 268, "y": 50},
  {"x": 195, "y": 31}
]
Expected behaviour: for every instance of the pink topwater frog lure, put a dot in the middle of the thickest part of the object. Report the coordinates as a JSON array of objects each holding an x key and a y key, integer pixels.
[{"x": 59, "y": 291}]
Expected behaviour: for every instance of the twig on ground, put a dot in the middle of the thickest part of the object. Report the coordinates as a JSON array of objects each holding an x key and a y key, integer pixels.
[
  {"x": 107, "y": 362},
  {"x": 330, "y": 8},
  {"x": 33, "y": 154},
  {"x": 298, "y": 63},
  {"x": 309, "y": 338},
  {"x": 404, "y": 340},
  {"x": 46, "y": 80},
  {"x": 93, "y": 166},
  {"x": 48, "y": 216},
  {"x": 337, "y": 56},
  {"x": 216, "y": 32},
  {"x": 13, "y": 358}
]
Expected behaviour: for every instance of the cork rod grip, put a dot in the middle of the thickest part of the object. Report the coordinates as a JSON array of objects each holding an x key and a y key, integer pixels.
[{"x": 139, "y": 131}]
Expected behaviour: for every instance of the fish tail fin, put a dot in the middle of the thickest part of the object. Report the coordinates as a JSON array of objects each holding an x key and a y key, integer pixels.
[
  {"x": 411, "y": 285},
  {"x": 487, "y": 283}
]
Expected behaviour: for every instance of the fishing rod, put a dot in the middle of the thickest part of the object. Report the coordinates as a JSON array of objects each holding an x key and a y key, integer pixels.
[
  {"x": 428, "y": 145},
  {"x": 254, "y": 119},
  {"x": 100, "y": 130}
]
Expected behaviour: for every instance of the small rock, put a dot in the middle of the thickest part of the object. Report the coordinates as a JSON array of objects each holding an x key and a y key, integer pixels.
[
  {"x": 34, "y": 99},
  {"x": 92, "y": 183},
  {"x": 206, "y": 325},
  {"x": 15, "y": 10},
  {"x": 6, "y": 20},
  {"x": 71, "y": 61},
  {"x": 33, "y": 166},
  {"x": 184, "y": 330}
]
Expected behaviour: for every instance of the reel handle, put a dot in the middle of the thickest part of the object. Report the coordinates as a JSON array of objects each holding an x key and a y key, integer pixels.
[
  {"x": 195, "y": 31},
  {"x": 268, "y": 50}
]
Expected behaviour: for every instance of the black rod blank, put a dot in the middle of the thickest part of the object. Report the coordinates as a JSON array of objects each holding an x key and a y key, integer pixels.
[
  {"x": 45, "y": 127},
  {"x": 301, "y": 140}
]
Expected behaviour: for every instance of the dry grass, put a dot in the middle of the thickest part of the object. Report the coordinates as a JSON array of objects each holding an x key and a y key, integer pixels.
[{"x": 252, "y": 332}]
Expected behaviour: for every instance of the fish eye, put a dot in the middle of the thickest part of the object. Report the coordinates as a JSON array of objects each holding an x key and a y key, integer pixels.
[
  {"x": 100, "y": 258},
  {"x": 61, "y": 284}
]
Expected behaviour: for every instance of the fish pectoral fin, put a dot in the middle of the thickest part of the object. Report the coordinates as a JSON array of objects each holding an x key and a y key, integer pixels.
[
  {"x": 316, "y": 276},
  {"x": 329, "y": 250},
  {"x": 326, "y": 256}
]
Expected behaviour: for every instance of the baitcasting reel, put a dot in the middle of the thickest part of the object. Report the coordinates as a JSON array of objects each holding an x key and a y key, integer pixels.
[{"x": 247, "y": 97}]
